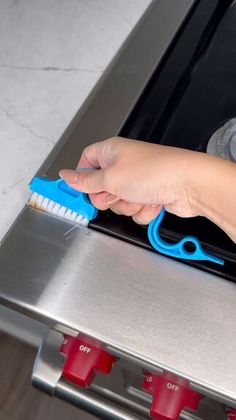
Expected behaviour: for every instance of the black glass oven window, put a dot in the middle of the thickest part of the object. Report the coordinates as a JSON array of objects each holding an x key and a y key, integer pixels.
[{"x": 190, "y": 95}]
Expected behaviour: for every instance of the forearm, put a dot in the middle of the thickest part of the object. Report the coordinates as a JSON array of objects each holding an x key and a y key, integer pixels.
[{"x": 214, "y": 191}]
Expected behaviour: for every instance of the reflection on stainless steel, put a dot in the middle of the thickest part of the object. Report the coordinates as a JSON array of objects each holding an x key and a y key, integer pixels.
[
  {"x": 48, "y": 363},
  {"x": 223, "y": 142},
  {"x": 91, "y": 404},
  {"x": 105, "y": 287}
]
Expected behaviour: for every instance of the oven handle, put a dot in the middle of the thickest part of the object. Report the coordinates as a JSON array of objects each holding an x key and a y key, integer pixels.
[{"x": 90, "y": 403}]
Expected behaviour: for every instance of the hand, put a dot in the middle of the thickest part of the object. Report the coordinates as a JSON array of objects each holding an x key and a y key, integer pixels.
[{"x": 135, "y": 178}]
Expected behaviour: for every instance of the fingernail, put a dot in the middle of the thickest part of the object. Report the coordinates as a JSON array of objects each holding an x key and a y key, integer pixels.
[
  {"x": 110, "y": 199},
  {"x": 69, "y": 176}
]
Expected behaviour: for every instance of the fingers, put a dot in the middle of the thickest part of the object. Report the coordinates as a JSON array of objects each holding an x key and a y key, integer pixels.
[
  {"x": 146, "y": 214},
  {"x": 85, "y": 181},
  {"x": 141, "y": 214},
  {"x": 125, "y": 208},
  {"x": 123, "y": 178},
  {"x": 90, "y": 157},
  {"x": 99, "y": 155},
  {"x": 93, "y": 183},
  {"x": 103, "y": 200}
]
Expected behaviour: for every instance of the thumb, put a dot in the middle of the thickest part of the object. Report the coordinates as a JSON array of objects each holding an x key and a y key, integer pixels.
[{"x": 89, "y": 181}]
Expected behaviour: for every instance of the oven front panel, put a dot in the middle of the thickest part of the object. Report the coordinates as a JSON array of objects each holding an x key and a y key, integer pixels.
[{"x": 160, "y": 312}]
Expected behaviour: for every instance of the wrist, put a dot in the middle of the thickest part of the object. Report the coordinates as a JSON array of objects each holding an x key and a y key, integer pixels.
[
  {"x": 212, "y": 189},
  {"x": 199, "y": 180}
]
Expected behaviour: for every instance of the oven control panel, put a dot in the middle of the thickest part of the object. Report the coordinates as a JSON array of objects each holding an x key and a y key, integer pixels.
[{"x": 86, "y": 373}]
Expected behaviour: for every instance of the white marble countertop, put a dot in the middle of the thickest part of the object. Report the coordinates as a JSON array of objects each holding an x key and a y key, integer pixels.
[{"x": 52, "y": 52}]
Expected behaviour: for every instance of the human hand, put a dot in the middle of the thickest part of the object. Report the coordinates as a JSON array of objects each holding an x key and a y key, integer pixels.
[{"x": 136, "y": 178}]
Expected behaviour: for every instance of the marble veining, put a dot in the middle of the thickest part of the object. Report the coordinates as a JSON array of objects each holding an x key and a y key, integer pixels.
[{"x": 52, "y": 52}]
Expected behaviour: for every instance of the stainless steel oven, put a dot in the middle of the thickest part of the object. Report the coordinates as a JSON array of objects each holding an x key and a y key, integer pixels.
[{"x": 133, "y": 333}]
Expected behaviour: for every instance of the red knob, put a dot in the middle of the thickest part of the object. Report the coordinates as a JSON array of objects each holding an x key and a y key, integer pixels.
[
  {"x": 231, "y": 414},
  {"x": 85, "y": 356},
  {"x": 170, "y": 395}
]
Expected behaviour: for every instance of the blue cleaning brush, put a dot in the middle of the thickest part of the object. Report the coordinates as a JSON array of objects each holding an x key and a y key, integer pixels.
[{"x": 58, "y": 198}]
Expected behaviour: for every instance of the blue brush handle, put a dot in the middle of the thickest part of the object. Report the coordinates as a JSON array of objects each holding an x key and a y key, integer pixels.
[
  {"x": 178, "y": 250},
  {"x": 59, "y": 191}
]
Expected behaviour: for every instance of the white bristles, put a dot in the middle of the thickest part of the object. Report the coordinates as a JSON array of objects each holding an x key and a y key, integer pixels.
[
  {"x": 33, "y": 197},
  {"x": 56, "y": 209},
  {"x": 62, "y": 211},
  {"x": 49, "y": 206},
  {"x": 45, "y": 204},
  {"x": 39, "y": 200},
  {"x": 71, "y": 215}
]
